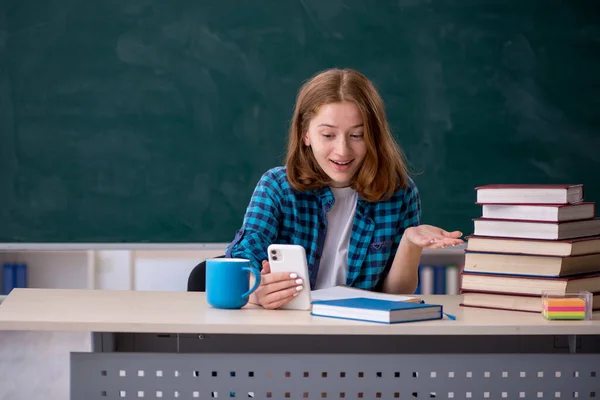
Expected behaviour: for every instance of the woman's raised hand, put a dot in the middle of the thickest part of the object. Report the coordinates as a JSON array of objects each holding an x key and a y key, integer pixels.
[{"x": 432, "y": 237}]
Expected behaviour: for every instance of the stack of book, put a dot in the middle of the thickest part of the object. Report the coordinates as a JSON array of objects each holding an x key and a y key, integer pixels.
[{"x": 530, "y": 239}]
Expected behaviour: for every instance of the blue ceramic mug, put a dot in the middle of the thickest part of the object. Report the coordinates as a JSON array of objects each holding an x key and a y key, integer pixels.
[{"x": 227, "y": 281}]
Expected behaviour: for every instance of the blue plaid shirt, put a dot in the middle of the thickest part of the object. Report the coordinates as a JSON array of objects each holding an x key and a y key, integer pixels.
[{"x": 279, "y": 214}]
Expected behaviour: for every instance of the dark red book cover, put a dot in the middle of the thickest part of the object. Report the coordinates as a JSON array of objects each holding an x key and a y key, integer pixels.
[
  {"x": 579, "y": 239},
  {"x": 537, "y": 222},
  {"x": 583, "y": 203},
  {"x": 529, "y": 186},
  {"x": 536, "y": 277},
  {"x": 509, "y": 294}
]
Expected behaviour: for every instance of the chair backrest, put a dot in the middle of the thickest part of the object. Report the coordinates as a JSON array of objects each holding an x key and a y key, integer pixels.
[{"x": 197, "y": 278}]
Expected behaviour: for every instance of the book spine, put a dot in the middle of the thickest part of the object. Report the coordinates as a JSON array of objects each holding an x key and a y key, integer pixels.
[
  {"x": 452, "y": 279},
  {"x": 419, "y": 283},
  {"x": 8, "y": 278},
  {"x": 439, "y": 279},
  {"x": 21, "y": 275},
  {"x": 426, "y": 275}
]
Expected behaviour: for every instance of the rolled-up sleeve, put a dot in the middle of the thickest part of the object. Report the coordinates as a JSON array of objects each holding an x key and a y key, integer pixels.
[{"x": 410, "y": 211}]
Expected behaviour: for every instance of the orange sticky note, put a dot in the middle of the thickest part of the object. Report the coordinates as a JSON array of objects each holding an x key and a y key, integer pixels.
[{"x": 564, "y": 302}]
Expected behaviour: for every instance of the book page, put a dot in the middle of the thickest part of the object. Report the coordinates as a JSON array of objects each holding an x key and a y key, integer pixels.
[{"x": 345, "y": 292}]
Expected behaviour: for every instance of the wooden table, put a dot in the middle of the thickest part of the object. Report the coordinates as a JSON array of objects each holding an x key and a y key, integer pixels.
[{"x": 173, "y": 345}]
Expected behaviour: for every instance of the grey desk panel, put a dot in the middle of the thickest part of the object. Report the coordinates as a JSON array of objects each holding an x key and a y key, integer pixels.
[
  {"x": 364, "y": 344},
  {"x": 104, "y": 376}
]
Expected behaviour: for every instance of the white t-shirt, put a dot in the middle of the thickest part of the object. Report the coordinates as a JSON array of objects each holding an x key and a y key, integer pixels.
[{"x": 334, "y": 260}]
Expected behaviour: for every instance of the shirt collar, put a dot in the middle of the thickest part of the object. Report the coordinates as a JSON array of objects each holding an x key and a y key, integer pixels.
[{"x": 325, "y": 195}]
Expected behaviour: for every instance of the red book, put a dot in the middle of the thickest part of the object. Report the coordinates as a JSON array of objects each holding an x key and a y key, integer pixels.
[
  {"x": 528, "y": 264},
  {"x": 567, "y": 247},
  {"x": 536, "y": 229},
  {"x": 530, "y": 194},
  {"x": 521, "y": 284},
  {"x": 509, "y": 301},
  {"x": 540, "y": 212}
]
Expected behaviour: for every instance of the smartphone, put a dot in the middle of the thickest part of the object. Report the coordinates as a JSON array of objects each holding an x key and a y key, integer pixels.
[{"x": 292, "y": 258}]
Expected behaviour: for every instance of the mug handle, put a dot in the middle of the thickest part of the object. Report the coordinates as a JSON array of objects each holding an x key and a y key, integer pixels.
[{"x": 256, "y": 273}]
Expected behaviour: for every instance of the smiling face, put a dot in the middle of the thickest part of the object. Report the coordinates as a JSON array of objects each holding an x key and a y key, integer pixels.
[
  {"x": 336, "y": 137},
  {"x": 328, "y": 144}
]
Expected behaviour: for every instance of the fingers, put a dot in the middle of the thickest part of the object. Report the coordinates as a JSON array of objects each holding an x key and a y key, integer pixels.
[
  {"x": 280, "y": 298},
  {"x": 277, "y": 285},
  {"x": 433, "y": 237},
  {"x": 455, "y": 234},
  {"x": 266, "y": 268},
  {"x": 277, "y": 288},
  {"x": 443, "y": 242},
  {"x": 435, "y": 242},
  {"x": 275, "y": 277}
]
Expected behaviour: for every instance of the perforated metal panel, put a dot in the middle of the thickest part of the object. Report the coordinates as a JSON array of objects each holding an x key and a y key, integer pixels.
[{"x": 321, "y": 376}]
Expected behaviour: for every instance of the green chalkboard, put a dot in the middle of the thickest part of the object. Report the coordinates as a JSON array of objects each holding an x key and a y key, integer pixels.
[{"x": 152, "y": 120}]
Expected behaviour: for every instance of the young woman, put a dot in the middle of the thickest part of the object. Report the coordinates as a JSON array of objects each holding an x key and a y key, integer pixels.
[{"x": 344, "y": 195}]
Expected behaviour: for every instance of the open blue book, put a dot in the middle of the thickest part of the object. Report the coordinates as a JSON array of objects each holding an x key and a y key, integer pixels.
[{"x": 376, "y": 310}]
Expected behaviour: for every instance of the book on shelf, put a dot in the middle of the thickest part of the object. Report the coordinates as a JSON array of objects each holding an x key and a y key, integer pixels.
[
  {"x": 522, "y": 284},
  {"x": 426, "y": 279},
  {"x": 452, "y": 284},
  {"x": 530, "y": 194},
  {"x": 536, "y": 229},
  {"x": 376, "y": 310},
  {"x": 9, "y": 278},
  {"x": 438, "y": 279},
  {"x": 514, "y": 302},
  {"x": 540, "y": 212},
  {"x": 14, "y": 275},
  {"x": 565, "y": 247},
  {"x": 537, "y": 265}
]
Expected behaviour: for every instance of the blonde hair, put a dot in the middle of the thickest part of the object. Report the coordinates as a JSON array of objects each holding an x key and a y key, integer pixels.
[{"x": 383, "y": 170}]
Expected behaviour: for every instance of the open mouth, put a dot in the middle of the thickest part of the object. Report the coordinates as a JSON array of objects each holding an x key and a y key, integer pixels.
[{"x": 342, "y": 163}]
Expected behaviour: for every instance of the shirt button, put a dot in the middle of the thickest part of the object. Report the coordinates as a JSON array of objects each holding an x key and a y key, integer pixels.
[{"x": 318, "y": 256}]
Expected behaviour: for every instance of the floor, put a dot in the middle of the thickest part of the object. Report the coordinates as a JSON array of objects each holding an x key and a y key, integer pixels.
[{"x": 35, "y": 365}]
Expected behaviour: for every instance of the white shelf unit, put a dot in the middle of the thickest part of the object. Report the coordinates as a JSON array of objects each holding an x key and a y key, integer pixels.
[{"x": 117, "y": 266}]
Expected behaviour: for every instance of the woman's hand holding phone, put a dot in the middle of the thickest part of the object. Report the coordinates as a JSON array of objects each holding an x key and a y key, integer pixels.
[{"x": 276, "y": 288}]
